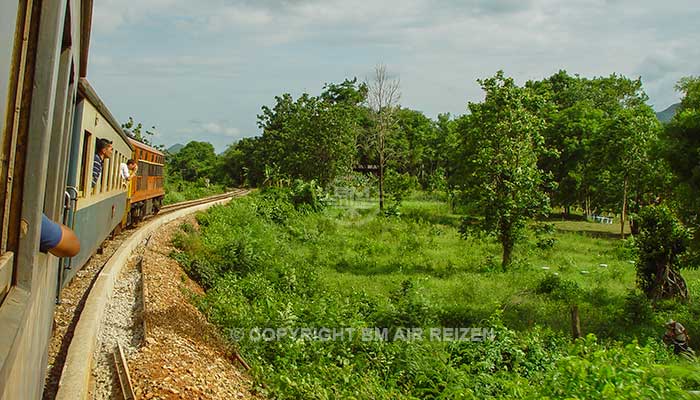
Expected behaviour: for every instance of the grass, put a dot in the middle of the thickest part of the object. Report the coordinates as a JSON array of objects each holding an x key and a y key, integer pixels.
[
  {"x": 266, "y": 265},
  {"x": 184, "y": 191},
  {"x": 463, "y": 276}
]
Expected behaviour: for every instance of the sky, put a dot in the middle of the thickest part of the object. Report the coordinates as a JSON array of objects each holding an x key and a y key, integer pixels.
[{"x": 202, "y": 70}]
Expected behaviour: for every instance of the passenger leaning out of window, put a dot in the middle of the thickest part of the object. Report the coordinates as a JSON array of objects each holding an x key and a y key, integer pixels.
[
  {"x": 103, "y": 149},
  {"x": 128, "y": 171}
]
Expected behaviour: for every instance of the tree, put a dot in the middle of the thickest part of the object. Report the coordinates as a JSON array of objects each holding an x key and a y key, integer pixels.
[
  {"x": 383, "y": 100},
  {"x": 683, "y": 151},
  {"x": 601, "y": 140},
  {"x": 312, "y": 138},
  {"x": 662, "y": 245},
  {"x": 242, "y": 162},
  {"x": 414, "y": 145},
  {"x": 197, "y": 160},
  {"x": 133, "y": 130},
  {"x": 627, "y": 149},
  {"x": 500, "y": 178}
]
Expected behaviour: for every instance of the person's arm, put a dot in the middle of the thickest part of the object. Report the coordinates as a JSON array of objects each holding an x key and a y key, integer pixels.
[
  {"x": 58, "y": 239},
  {"x": 69, "y": 245}
]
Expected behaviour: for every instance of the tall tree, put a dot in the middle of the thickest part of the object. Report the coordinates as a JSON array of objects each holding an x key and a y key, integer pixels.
[
  {"x": 627, "y": 153},
  {"x": 197, "y": 160},
  {"x": 383, "y": 99},
  {"x": 500, "y": 177},
  {"x": 311, "y": 137},
  {"x": 136, "y": 132},
  {"x": 683, "y": 151},
  {"x": 600, "y": 143}
]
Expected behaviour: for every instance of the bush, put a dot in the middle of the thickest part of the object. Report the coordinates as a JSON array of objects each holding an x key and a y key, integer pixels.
[
  {"x": 662, "y": 246},
  {"x": 595, "y": 371},
  {"x": 558, "y": 288},
  {"x": 261, "y": 273},
  {"x": 397, "y": 187}
]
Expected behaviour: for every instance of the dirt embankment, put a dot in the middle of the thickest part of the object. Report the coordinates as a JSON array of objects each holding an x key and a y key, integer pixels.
[{"x": 183, "y": 356}]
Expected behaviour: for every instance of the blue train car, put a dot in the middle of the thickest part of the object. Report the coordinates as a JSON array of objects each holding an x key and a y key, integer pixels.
[
  {"x": 42, "y": 58},
  {"x": 98, "y": 209}
]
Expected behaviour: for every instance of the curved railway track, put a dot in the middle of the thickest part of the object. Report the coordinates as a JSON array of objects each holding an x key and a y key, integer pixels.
[
  {"x": 75, "y": 372},
  {"x": 190, "y": 203}
]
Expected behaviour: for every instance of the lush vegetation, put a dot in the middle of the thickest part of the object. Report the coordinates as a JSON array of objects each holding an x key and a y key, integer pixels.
[
  {"x": 193, "y": 172},
  {"x": 275, "y": 261},
  {"x": 474, "y": 247}
]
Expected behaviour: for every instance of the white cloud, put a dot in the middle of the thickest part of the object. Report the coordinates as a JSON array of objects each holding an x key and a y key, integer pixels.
[
  {"x": 211, "y": 128},
  {"x": 110, "y": 15},
  {"x": 172, "y": 59},
  {"x": 237, "y": 17}
]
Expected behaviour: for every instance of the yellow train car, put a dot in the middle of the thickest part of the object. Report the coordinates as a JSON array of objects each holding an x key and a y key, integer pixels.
[{"x": 146, "y": 190}]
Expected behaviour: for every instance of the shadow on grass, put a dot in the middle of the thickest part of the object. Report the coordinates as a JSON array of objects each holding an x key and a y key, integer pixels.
[
  {"x": 427, "y": 215},
  {"x": 591, "y": 229},
  {"x": 565, "y": 217},
  {"x": 372, "y": 268},
  {"x": 593, "y": 233}
]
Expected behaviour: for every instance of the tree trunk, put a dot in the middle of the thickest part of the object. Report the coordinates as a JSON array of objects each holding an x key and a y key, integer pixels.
[
  {"x": 634, "y": 227},
  {"x": 575, "y": 322},
  {"x": 624, "y": 209},
  {"x": 669, "y": 284},
  {"x": 507, "y": 254},
  {"x": 381, "y": 183}
]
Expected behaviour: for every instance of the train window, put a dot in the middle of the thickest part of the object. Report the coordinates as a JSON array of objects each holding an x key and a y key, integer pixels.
[
  {"x": 108, "y": 174},
  {"x": 115, "y": 176},
  {"x": 112, "y": 162},
  {"x": 103, "y": 178},
  {"x": 115, "y": 172},
  {"x": 86, "y": 172}
]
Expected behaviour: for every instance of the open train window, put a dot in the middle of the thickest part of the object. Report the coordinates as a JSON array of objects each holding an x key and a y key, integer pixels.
[
  {"x": 86, "y": 172},
  {"x": 115, "y": 177},
  {"x": 103, "y": 178},
  {"x": 117, "y": 171},
  {"x": 106, "y": 174}
]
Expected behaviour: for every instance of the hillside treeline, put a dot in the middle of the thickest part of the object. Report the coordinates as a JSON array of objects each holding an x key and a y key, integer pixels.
[
  {"x": 597, "y": 141},
  {"x": 565, "y": 141}
]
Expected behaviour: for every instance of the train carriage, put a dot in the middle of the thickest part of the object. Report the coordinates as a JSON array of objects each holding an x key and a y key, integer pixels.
[
  {"x": 98, "y": 209},
  {"x": 43, "y": 56},
  {"x": 147, "y": 191},
  {"x": 50, "y": 118}
]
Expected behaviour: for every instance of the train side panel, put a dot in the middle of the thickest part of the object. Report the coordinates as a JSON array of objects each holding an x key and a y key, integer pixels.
[
  {"x": 44, "y": 47},
  {"x": 93, "y": 224},
  {"x": 147, "y": 191},
  {"x": 100, "y": 207}
]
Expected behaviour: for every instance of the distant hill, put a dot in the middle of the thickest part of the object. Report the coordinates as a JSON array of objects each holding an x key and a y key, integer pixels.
[
  {"x": 174, "y": 149},
  {"x": 667, "y": 114}
]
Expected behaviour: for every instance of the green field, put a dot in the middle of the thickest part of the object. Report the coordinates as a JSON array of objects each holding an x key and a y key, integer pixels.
[{"x": 266, "y": 264}]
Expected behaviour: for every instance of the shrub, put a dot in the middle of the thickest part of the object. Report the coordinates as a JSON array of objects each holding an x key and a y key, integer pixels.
[
  {"x": 662, "y": 246},
  {"x": 558, "y": 288}
]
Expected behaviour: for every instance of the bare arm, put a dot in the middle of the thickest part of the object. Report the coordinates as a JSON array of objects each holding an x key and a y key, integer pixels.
[{"x": 69, "y": 245}]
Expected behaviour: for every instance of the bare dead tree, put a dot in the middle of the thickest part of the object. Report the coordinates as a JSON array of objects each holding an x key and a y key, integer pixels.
[{"x": 383, "y": 99}]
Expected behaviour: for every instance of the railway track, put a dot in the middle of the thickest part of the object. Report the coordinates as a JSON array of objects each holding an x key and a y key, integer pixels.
[
  {"x": 190, "y": 203},
  {"x": 75, "y": 373}
]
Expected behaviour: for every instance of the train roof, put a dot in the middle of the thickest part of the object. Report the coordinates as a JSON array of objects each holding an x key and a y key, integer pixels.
[
  {"x": 89, "y": 93},
  {"x": 85, "y": 29},
  {"x": 136, "y": 143}
]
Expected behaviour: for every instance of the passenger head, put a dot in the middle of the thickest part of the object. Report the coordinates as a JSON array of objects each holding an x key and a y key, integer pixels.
[
  {"x": 131, "y": 164},
  {"x": 103, "y": 147}
]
